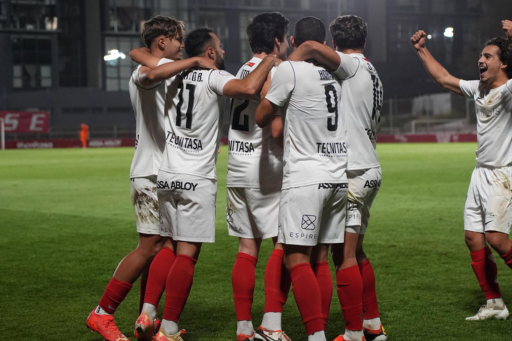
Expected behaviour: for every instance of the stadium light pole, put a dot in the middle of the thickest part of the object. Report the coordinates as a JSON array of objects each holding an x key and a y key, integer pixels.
[{"x": 2, "y": 132}]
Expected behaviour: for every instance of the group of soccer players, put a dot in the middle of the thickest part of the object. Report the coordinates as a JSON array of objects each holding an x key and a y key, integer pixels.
[
  {"x": 301, "y": 166},
  {"x": 302, "y": 170}
]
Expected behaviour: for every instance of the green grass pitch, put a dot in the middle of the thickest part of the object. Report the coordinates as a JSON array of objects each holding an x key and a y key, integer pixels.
[{"x": 66, "y": 221}]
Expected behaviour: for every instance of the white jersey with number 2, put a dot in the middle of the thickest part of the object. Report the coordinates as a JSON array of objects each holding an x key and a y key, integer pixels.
[
  {"x": 255, "y": 159},
  {"x": 315, "y": 148},
  {"x": 193, "y": 122}
]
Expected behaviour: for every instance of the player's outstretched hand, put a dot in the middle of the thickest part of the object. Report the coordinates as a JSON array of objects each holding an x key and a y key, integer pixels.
[
  {"x": 205, "y": 63},
  {"x": 419, "y": 39},
  {"x": 507, "y": 27}
]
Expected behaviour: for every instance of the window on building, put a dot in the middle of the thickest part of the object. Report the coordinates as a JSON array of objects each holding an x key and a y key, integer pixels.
[
  {"x": 127, "y": 15},
  {"x": 32, "y": 61},
  {"x": 118, "y": 65},
  {"x": 33, "y": 15}
]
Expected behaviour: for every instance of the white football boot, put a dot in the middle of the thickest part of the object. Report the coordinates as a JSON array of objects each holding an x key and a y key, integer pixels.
[{"x": 492, "y": 310}]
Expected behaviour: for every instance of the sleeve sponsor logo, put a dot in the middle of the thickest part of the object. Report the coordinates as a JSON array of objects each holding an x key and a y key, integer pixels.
[{"x": 250, "y": 64}]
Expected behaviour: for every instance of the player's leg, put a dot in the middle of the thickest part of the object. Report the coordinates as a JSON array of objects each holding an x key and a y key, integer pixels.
[
  {"x": 303, "y": 205},
  {"x": 277, "y": 287},
  {"x": 145, "y": 203},
  {"x": 147, "y": 324},
  {"x": 482, "y": 261},
  {"x": 241, "y": 224},
  {"x": 306, "y": 290},
  {"x": 320, "y": 265},
  {"x": 243, "y": 280},
  {"x": 191, "y": 213},
  {"x": 179, "y": 284}
]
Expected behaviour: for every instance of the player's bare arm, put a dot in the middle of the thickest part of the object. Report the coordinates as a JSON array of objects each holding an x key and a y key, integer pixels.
[
  {"x": 440, "y": 75},
  {"x": 276, "y": 129},
  {"x": 507, "y": 27},
  {"x": 321, "y": 53},
  {"x": 265, "y": 113},
  {"x": 144, "y": 57},
  {"x": 250, "y": 86},
  {"x": 149, "y": 76}
]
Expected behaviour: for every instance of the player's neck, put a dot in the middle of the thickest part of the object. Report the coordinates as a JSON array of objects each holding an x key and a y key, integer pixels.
[
  {"x": 349, "y": 51},
  {"x": 157, "y": 52},
  {"x": 502, "y": 79},
  {"x": 260, "y": 55}
]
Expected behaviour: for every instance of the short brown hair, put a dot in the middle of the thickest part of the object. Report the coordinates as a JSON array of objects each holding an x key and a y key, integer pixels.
[
  {"x": 160, "y": 25},
  {"x": 349, "y": 32}
]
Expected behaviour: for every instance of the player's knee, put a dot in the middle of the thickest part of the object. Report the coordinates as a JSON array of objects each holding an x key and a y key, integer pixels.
[{"x": 499, "y": 242}]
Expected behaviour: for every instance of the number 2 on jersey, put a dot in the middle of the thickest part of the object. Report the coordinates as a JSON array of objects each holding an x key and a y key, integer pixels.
[
  {"x": 330, "y": 108},
  {"x": 191, "y": 88},
  {"x": 236, "y": 116}
]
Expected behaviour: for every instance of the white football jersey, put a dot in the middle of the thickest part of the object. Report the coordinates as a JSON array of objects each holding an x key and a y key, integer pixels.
[
  {"x": 361, "y": 102},
  {"x": 192, "y": 126},
  {"x": 148, "y": 104},
  {"x": 494, "y": 123},
  {"x": 315, "y": 148},
  {"x": 254, "y": 159}
]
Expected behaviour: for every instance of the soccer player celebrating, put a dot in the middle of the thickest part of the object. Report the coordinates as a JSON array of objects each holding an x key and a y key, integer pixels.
[
  {"x": 314, "y": 190},
  {"x": 254, "y": 188},
  {"x": 507, "y": 27},
  {"x": 361, "y": 99},
  {"x": 187, "y": 185},
  {"x": 487, "y": 213},
  {"x": 164, "y": 38}
]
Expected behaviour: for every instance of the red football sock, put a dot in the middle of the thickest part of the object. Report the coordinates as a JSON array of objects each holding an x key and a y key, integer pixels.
[
  {"x": 157, "y": 277},
  {"x": 277, "y": 283},
  {"x": 178, "y": 285},
  {"x": 324, "y": 279},
  {"x": 143, "y": 284},
  {"x": 350, "y": 294},
  {"x": 308, "y": 297},
  {"x": 114, "y": 294},
  {"x": 486, "y": 272},
  {"x": 243, "y": 280},
  {"x": 508, "y": 258},
  {"x": 370, "y": 306}
]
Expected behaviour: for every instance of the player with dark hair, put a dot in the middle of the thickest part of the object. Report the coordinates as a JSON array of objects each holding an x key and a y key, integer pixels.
[
  {"x": 487, "y": 213},
  {"x": 253, "y": 190},
  {"x": 361, "y": 101},
  {"x": 187, "y": 183},
  {"x": 314, "y": 191}
]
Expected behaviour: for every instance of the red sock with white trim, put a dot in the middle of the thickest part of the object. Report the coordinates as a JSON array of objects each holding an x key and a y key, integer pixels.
[
  {"x": 350, "y": 295},
  {"x": 324, "y": 279},
  {"x": 115, "y": 293},
  {"x": 243, "y": 279},
  {"x": 158, "y": 272},
  {"x": 277, "y": 282},
  {"x": 178, "y": 286},
  {"x": 308, "y": 297}
]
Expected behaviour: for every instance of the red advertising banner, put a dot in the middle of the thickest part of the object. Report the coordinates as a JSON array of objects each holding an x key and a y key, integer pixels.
[{"x": 26, "y": 121}]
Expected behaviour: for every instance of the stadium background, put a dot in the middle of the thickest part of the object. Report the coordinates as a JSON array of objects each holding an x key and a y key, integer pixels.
[
  {"x": 60, "y": 56},
  {"x": 66, "y": 218}
]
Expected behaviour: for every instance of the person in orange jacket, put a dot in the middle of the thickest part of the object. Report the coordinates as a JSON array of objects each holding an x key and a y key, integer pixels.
[{"x": 84, "y": 134}]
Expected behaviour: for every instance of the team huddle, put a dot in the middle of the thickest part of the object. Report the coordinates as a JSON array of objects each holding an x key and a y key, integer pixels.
[{"x": 302, "y": 171}]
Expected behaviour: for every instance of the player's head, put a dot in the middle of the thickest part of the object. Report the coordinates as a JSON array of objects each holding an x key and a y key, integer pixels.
[
  {"x": 348, "y": 32},
  {"x": 164, "y": 34},
  {"x": 495, "y": 60},
  {"x": 203, "y": 42},
  {"x": 268, "y": 33},
  {"x": 308, "y": 28}
]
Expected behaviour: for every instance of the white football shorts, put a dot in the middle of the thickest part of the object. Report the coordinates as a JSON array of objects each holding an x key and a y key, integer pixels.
[
  {"x": 187, "y": 206},
  {"x": 312, "y": 215},
  {"x": 252, "y": 212},
  {"x": 363, "y": 186},
  {"x": 488, "y": 203},
  {"x": 145, "y": 204}
]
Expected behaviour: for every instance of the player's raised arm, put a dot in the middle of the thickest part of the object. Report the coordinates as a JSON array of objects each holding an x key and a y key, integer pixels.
[
  {"x": 321, "y": 53},
  {"x": 440, "y": 75},
  {"x": 169, "y": 70},
  {"x": 250, "y": 86},
  {"x": 507, "y": 27},
  {"x": 144, "y": 57}
]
